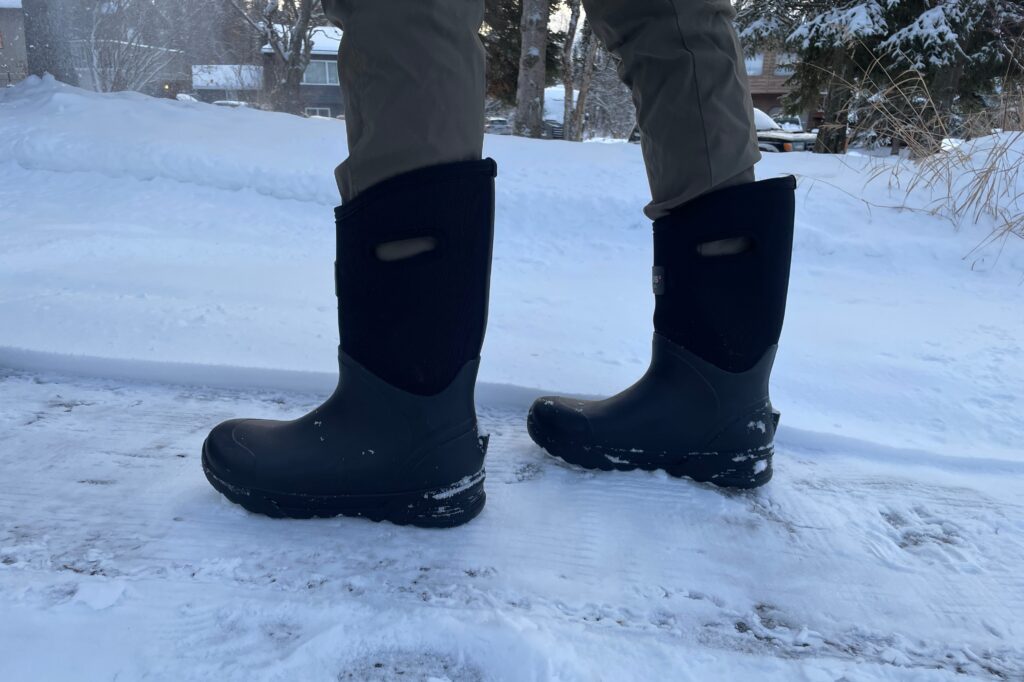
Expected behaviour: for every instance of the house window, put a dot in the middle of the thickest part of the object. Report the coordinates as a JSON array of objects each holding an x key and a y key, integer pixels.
[
  {"x": 318, "y": 111},
  {"x": 754, "y": 65},
  {"x": 321, "y": 72},
  {"x": 785, "y": 64}
]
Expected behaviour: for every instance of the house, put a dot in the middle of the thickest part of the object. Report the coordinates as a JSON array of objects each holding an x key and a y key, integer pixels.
[
  {"x": 320, "y": 92},
  {"x": 13, "y": 56},
  {"x": 767, "y": 73},
  {"x": 234, "y": 82},
  {"x": 115, "y": 64}
]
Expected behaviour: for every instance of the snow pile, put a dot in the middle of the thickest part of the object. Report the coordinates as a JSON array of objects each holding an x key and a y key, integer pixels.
[
  {"x": 981, "y": 179},
  {"x": 156, "y": 231},
  {"x": 162, "y": 231},
  {"x": 45, "y": 126}
]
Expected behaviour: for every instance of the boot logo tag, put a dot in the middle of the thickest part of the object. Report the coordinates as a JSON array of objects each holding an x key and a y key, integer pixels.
[{"x": 658, "y": 279}]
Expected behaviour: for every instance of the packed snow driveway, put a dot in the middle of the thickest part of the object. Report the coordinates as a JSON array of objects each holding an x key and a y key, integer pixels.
[{"x": 118, "y": 560}]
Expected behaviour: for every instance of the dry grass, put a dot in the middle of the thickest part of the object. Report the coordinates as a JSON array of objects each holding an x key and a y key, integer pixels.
[{"x": 967, "y": 166}]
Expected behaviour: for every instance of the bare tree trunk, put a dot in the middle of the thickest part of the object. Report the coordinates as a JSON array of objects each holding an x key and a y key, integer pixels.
[
  {"x": 945, "y": 91},
  {"x": 832, "y": 132},
  {"x": 586, "y": 76},
  {"x": 530, "y": 92},
  {"x": 567, "y": 70},
  {"x": 121, "y": 51},
  {"x": 287, "y": 95},
  {"x": 46, "y": 40},
  {"x": 290, "y": 99},
  {"x": 287, "y": 27}
]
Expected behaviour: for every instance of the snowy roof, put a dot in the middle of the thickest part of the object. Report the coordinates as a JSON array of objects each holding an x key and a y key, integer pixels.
[
  {"x": 226, "y": 76},
  {"x": 10, "y": 4},
  {"x": 326, "y": 40}
]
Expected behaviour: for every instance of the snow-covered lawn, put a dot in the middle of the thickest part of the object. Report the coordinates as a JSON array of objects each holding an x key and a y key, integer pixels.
[{"x": 165, "y": 265}]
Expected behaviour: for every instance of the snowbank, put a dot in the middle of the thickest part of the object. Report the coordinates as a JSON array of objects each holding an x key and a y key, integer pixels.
[
  {"x": 139, "y": 229},
  {"x": 50, "y": 127}
]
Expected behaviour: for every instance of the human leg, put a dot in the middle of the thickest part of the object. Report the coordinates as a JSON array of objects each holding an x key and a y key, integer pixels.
[
  {"x": 412, "y": 77},
  {"x": 683, "y": 63}
]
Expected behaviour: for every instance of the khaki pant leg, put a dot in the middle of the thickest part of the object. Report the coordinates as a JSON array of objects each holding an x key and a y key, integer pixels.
[
  {"x": 683, "y": 63},
  {"x": 412, "y": 76}
]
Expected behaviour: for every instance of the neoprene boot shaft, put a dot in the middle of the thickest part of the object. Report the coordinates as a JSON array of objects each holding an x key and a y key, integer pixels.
[{"x": 398, "y": 439}]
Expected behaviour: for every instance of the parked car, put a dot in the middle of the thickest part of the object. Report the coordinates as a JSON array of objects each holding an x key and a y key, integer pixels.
[
  {"x": 230, "y": 103},
  {"x": 553, "y": 130},
  {"x": 791, "y": 124},
  {"x": 496, "y": 125},
  {"x": 185, "y": 97},
  {"x": 772, "y": 138}
]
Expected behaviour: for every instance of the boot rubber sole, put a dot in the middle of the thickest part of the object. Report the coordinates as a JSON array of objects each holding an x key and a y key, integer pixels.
[
  {"x": 742, "y": 469},
  {"x": 444, "y": 507}
]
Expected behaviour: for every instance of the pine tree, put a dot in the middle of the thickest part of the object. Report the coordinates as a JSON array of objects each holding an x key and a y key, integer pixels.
[{"x": 887, "y": 55}]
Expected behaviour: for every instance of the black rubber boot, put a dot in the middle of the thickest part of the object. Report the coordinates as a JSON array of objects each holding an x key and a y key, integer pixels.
[
  {"x": 398, "y": 439},
  {"x": 702, "y": 409}
]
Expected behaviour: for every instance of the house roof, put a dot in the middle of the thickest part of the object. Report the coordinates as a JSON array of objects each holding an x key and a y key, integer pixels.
[
  {"x": 227, "y": 77},
  {"x": 10, "y": 4},
  {"x": 326, "y": 40}
]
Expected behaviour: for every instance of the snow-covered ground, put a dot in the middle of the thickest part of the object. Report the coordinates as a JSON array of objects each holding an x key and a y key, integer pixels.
[{"x": 165, "y": 265}]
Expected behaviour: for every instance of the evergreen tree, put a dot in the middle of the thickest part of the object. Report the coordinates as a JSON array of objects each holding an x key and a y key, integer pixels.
[{"x": 898, "y": 57}]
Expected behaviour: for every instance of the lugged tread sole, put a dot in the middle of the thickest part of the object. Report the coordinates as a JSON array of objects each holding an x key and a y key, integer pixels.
[
  {"x": 742, "y": 470},
  {"x": 446, "y": 507}
]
